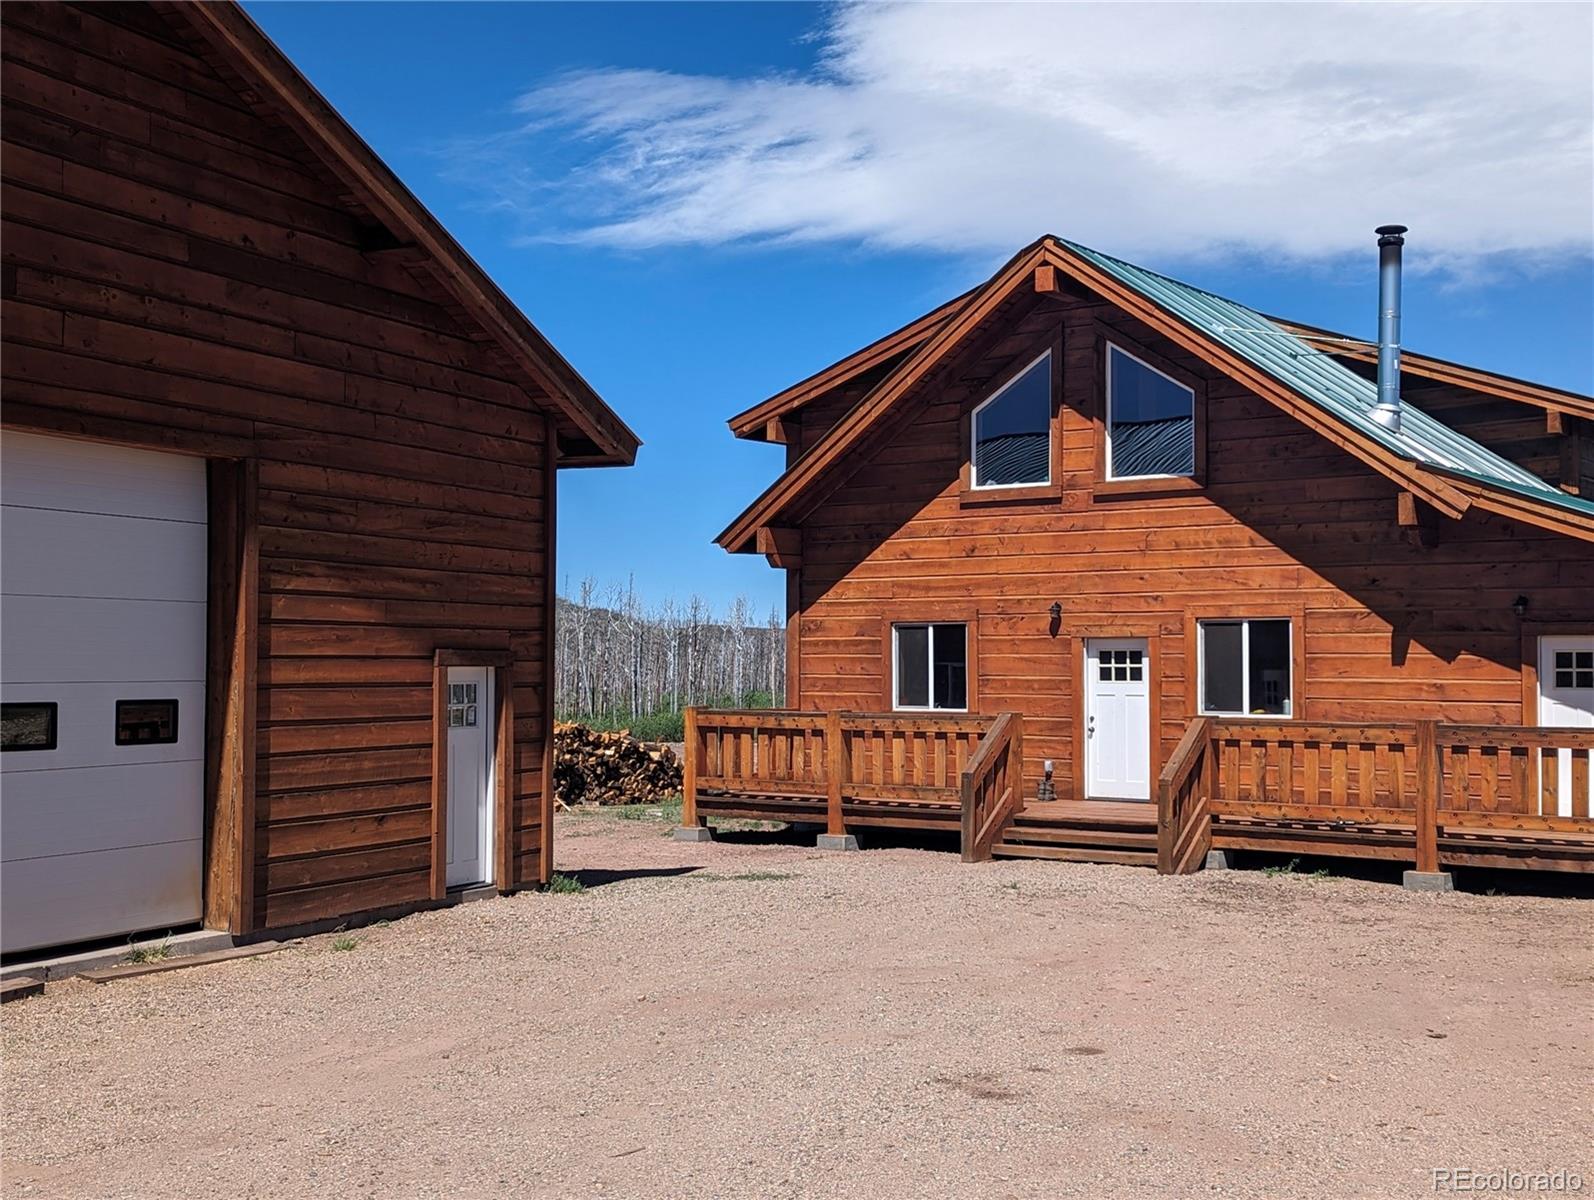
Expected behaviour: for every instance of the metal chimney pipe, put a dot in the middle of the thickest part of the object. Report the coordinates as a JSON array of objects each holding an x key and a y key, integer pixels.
[{"x": 1387, "y": 410}]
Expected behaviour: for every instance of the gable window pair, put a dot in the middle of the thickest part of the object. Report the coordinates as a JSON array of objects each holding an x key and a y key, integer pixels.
[{"x": 1150, "y": 425}]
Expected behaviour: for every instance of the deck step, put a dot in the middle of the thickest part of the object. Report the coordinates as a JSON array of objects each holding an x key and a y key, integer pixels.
[
  {"x": 1089, "y": 814},
  {"x": 1093, "y": 854},
  {"x": 1129, "y": 839}
]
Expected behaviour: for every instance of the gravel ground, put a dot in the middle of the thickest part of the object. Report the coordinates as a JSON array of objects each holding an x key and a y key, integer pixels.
[{"x": 754, "y": 1019}]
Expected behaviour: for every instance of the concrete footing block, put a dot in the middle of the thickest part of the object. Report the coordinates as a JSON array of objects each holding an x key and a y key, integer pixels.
[
  {"x": 1427, "y": 881},
  {"x": 694, "y": 833},
  {"x": 836, "y": 841},
  {"x": 1219, "y": 860}
]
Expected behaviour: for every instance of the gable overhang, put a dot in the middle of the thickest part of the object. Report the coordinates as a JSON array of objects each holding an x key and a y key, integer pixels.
[
  {"x": 1440, "y": 370},
  {"x": 1043, "y": 266},
  {"x": 755, "y": 423},
  {"x": 802, "y": 479},
  {"x": 591, "y": 434}
]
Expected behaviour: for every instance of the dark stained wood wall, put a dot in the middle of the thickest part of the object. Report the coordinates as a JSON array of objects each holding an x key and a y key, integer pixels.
[
  {"x": 1288, "y": 525},
  {"x": 178, "y": 272}
]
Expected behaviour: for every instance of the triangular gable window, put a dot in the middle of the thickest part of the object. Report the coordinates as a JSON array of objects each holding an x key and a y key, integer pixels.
[
  {"x": 1012, "y": 430},
  {"x": 1150, "y": 421}
]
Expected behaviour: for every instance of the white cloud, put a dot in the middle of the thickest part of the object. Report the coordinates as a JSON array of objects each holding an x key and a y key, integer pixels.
[{"x": 1167, "y": 131}]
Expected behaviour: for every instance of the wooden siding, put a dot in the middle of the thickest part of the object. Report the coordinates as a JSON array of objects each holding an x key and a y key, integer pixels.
[
  {"x": 1288, "y": 524},
  {"x": 179, "y": 273}
]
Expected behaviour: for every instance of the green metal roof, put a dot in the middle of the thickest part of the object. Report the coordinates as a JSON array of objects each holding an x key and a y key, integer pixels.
[{"x": 1321, "y": 379}]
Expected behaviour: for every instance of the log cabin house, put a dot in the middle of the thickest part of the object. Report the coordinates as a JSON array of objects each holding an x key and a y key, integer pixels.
[
  {"x": 1092, "y": 564},
  {"x": 278, "y": 485}
]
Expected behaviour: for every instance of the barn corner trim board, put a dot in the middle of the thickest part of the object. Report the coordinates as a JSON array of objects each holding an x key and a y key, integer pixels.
[{"x": 278, "y": 453}]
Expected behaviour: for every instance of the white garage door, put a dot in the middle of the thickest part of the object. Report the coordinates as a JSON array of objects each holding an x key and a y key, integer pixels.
[{"x": 102, "y": 677}]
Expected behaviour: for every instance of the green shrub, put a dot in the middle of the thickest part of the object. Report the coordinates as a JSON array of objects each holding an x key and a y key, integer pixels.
[{"x": 565, "y": 885}]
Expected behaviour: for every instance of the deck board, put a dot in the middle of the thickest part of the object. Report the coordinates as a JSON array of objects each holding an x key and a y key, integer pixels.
[{"x": 1090, "y": 812}]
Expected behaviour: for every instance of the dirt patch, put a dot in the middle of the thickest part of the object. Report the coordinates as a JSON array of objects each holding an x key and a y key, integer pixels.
[{"x": 756, "y": 1018}]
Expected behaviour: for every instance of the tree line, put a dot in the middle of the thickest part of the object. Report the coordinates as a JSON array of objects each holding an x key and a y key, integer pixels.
[{"x": 620, "y": 662}]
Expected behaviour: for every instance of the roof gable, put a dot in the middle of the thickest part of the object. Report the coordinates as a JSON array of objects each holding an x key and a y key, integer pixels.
[
  {"x": 753, "y": 423},
  {"x": 1434, "y": 462},
  {"x": 594, "y": 434}
]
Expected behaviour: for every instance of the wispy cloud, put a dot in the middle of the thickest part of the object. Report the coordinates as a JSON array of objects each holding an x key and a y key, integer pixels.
[{"x": 1165, "y": 130}]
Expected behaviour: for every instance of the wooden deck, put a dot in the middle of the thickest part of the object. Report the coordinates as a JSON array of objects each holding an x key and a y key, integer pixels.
[
  {"x": 1427, "y": 793},
  {"x": 899, "y": 770}
]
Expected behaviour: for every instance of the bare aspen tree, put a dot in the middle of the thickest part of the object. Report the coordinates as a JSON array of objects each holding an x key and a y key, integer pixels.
[{"x": 616, "y": 659}]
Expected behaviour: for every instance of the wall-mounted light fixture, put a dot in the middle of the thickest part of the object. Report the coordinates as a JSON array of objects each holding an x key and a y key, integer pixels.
[
  {"x": 1520, "y": 607},
  {"x": 1056, "y": 610}
]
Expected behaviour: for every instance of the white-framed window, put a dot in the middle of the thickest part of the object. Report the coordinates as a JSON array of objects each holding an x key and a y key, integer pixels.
[
  {"x": 1150, "y": 421},
  {"x": 1246, "y": 667},
  {"x": 930, "y": 666},
  {"x": 1012, "y": 431}
]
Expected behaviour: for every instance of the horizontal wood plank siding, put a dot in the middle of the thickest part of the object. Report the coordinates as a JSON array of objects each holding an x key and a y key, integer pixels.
[
  {"x": 1287, "y": 523},
  {"x": 179, "y": 272}
]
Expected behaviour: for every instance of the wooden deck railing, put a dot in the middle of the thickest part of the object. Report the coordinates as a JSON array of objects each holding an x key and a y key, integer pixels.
[
  {"x": 1431, "y": 777},
  {"x": 1184, "y": 796},
  {"x": 993, "y": 786},
  {"x": 910, "y": 769}
]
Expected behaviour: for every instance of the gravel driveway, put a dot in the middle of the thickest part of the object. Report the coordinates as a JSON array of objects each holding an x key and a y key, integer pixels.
[{"x": 754, "y": 1019}]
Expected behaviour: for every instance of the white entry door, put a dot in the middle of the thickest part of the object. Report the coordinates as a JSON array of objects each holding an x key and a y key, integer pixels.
[
  {"x": 470, "y": 775},
  {"x": 1117, "y": 719},
  {"x": 1566, "y": 697}
]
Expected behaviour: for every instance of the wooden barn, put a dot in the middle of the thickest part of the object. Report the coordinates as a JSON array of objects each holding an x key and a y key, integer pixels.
[
  {"x": 278, "y": 485},
  {"x": 1091, "y": 564}
]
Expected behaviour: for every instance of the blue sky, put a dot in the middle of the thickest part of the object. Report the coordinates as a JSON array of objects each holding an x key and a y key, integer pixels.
[{"x": 702, "y": 203}]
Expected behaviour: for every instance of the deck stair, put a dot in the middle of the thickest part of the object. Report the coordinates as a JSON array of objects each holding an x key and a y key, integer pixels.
[{"x": 1099, "y": 831}]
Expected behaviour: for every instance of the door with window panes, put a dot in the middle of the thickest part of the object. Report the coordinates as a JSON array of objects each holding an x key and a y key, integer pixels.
[
  {"x": 1117, "y": 719},
  {"x": 1566, "y": 698}
]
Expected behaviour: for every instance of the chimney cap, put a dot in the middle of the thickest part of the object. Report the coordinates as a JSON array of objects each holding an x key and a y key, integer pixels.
[{"x": 1389, "y": 235}]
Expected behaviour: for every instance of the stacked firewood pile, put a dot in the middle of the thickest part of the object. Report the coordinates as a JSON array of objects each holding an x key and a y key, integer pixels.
[{"x": 594, "y": 767}]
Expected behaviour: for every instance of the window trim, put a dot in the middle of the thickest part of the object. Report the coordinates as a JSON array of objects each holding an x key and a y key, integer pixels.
[
  {"x": 1109, "y": 475},
  {"x": 972, "y": 438},
  {"x": 53, "y": 709},
  {"x": 968, "y": 666},
  {"x": 1289, "y": 713}
]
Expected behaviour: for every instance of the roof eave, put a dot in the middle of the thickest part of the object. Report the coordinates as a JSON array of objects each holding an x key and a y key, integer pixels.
[
  {"x": 255, "y": 57},
  {"x": 1426, "y": 366},
  {"x": 753, "y": 423}
]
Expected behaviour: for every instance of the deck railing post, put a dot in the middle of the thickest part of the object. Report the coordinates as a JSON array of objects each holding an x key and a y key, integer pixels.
[
  {"x": 689, "y": 770},
  {"x": 1426, "y": 876},
  {"x": 693, "y": 827},
  {"x": 835, "y": 774}
]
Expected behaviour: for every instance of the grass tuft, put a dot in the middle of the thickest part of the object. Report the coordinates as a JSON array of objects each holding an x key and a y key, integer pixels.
[
  {"x": 345, "y": 941},
  {"x": 149, "y": 952},
  {"x": 565, "y": 885}
]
